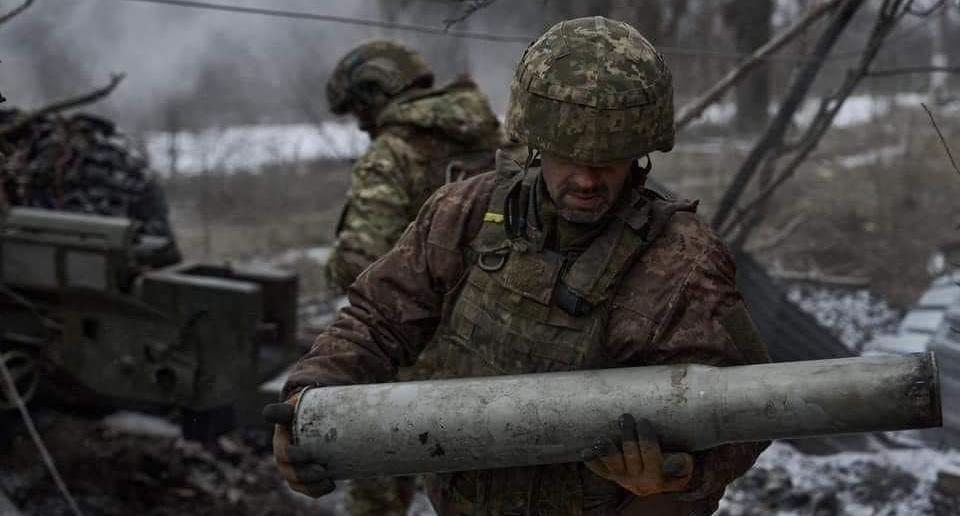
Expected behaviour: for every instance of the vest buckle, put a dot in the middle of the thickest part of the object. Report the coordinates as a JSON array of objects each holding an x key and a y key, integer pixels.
[
  {"x": 485, "y": 264},
  {"x": 571, "y": 302}
]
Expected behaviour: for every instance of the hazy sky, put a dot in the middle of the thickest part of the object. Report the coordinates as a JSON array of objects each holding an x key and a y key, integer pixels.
[
  {"x": 225, "y": 68},
  {"x": 63, "y": 47}
]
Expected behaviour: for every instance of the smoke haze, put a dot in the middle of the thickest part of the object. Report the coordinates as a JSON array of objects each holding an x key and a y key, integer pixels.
[{"x": 196, "y": 68}]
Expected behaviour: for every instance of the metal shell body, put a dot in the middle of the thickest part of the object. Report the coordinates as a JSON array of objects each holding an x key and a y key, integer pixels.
[{"x": 509, "y": 421}]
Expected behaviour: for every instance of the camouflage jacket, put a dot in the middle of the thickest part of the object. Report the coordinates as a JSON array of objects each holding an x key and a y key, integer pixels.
[
  {"x": 417, "y": 135},
  {"x": 668, "y": 309}
]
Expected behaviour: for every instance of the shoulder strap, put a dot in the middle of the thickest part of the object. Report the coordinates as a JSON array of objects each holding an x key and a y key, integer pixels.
[
  {"x": 495, "y": 233},
  {"x": 593, "y": 276}
]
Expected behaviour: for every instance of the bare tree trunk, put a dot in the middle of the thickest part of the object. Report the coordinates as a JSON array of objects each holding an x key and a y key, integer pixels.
[
  {"x": 750, "y": 21},
  {"x": 690, "y": 111},
  {"x": 645, "y": 15},
  {"x": 773, "y": 137},
  {"x": 938, "y": 58},
  {"x": 888, "y": 15}
]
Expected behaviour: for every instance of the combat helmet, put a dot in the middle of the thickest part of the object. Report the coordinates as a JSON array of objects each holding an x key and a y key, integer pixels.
[
  {"x": 390, "y": 66},
  {"x": 594, "y": 91}
]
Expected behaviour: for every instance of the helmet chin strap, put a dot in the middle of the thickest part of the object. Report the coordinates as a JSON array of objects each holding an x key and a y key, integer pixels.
[{"x": 533, "y": 155}]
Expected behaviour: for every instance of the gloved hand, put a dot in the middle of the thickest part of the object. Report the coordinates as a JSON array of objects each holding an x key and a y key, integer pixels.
[
  {"x": 640, "y": 467},
  {"x": 303, "y": 475}
]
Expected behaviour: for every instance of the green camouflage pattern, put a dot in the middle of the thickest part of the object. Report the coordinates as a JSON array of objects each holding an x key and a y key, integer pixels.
[
  {"x": 594, "y": 91},
  {"x": 417, "y": 137},
  {"x": 390, "y": 65}
]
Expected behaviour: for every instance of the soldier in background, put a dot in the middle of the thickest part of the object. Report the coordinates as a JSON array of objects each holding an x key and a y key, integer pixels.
[
  {"x": 565, "y": 263},
  {"x": 421, "y": 139}
]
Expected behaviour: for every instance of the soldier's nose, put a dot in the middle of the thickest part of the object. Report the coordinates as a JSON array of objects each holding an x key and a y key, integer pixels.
[{"x": 585, "y": 179}]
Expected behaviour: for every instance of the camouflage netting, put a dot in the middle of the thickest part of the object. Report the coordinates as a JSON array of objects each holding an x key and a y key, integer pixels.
[{"x": 80, "y": 163}]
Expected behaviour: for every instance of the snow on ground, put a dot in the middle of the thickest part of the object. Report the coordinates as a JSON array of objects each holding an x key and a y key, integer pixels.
[
  {"x": 856, "y": 110},
  {"x": 872, "y": 156},
  {"x": 250, "y": 147},
  {"x": 894, "y": 482},
  {"x": 137, "y": 423},
  {"x": 855, "y": 316},
  {"x": 318, "y": 254}
]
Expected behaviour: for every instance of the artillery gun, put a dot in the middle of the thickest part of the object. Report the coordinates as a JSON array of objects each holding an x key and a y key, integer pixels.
[{"x": 82, "y": 305}]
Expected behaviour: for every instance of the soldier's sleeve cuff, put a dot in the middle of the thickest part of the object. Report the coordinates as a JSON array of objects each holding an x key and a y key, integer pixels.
[{"x": 701, "y": 485}]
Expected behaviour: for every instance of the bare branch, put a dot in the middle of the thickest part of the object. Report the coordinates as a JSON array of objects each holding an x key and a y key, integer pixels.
[
  {"x": 14, "y": 13},
  {"x": 471, "y": 7},
  {"x": 913, "y": 69},
  {"x": 942, "y": 139},
  {"x": 694, "y": 109},
  {"x": 818, "y": 278},
  {"x": 779, "y": 237},
  {"x": 63, "y": 105},
  {"x": 773, "y": 137},
  {"x": 928, "y": 11},
  {"x": 891, "y": 12}
]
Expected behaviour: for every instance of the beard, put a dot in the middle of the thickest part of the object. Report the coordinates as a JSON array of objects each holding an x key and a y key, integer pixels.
[{"x": 583, "y": 216}]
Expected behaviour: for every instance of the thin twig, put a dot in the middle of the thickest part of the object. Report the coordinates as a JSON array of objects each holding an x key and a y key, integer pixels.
[
  {"x": 891, "y": 12},
  {"x": 822, "y": 279},
  {"x": 472, "y": 7},
  {"x": 777, "y": 238},
  {"x": 773, "y": 136},
  {"x": 928, "y": 11},
  {"x": 694, "y": 109},
  {"x": 914, "y": 69},
  {"x": 62, "y": 105},
  {"x": 942, "y": 139},
  {"x": 14, "y": 13},
  {"x": 11, "y": 387}
]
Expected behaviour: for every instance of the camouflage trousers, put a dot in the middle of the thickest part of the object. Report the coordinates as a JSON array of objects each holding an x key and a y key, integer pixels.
[{"x": 381, "y": 496}]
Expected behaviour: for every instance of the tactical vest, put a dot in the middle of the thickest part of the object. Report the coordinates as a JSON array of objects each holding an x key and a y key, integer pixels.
[{"x": 521, "y": 308}]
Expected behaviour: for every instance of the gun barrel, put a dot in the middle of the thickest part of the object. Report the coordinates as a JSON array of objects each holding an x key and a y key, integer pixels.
[{"x": 524, "y": 420}]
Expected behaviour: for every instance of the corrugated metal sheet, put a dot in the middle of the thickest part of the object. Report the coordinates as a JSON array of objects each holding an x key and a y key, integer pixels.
[
  {"x": 945, "y": 345},
  {"x": 789, "y": 332},
  {"x": 926, "y": 318}
]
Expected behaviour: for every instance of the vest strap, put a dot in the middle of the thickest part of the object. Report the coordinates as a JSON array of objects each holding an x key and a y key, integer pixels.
[{"x": 593, "y": 277}]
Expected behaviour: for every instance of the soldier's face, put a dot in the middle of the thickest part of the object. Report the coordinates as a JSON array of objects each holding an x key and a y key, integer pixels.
[{"x": 583, "y": 193}]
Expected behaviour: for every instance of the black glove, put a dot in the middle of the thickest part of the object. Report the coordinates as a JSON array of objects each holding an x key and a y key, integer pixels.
[{"x": 301, "y": 472}]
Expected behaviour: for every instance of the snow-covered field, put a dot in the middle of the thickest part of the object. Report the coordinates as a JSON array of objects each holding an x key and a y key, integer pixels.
[
  {"x": 856, "y": 110},
  {"x": 892, "y": 482},
  {"x": 250, "y": 147}
]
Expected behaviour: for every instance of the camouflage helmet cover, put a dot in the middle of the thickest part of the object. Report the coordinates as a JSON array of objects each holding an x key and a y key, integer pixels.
[
  {"x": 594, "y": 91},
  {"x": 391, "y": 66}
]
